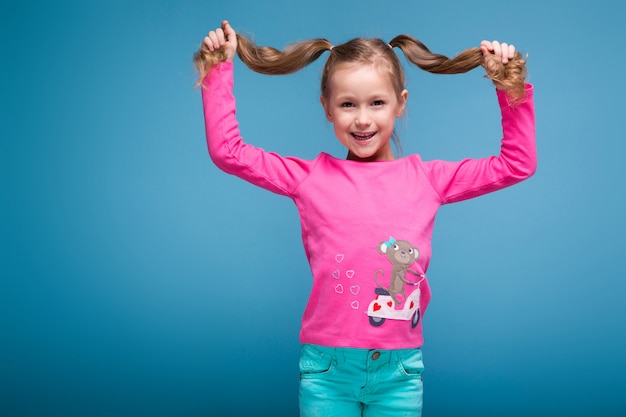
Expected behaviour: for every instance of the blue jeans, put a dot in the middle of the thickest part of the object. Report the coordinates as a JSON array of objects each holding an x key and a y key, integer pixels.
[{"x": 346, "y": 382}]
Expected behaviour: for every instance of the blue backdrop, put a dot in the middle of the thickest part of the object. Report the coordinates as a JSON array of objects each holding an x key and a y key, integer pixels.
[{"x": 139, "y": 280}]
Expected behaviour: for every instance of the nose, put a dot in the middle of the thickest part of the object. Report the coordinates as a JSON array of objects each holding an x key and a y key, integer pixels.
[{"x": 363, "y": 119}]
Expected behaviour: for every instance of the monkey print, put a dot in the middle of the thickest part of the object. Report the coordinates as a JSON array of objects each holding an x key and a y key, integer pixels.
[{"x": 401, "y": 254}]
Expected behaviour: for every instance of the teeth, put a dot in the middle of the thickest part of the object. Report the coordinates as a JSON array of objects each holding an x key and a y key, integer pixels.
[{"x": 363, "y": 136}]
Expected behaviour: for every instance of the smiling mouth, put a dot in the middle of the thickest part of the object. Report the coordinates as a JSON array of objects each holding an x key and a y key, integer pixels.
[{"x": 363, "y": 136}]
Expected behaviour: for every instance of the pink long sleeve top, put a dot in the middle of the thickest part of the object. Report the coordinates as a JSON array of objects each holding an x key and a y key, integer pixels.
[{"x": 366, "y": 227}]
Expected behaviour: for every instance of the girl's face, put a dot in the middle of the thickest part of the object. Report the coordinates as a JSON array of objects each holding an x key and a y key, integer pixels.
[{"x": 362, "y": 106}]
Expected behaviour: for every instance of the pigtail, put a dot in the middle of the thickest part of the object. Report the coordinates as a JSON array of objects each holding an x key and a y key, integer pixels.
[
  {"x": 271, "y": 61},
  {"x": 265, "y": 59},
  {"x": 510, "y": 77}
]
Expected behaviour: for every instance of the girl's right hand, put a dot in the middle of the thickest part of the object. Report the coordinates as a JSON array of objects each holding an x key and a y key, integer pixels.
[{"x": 223, "y": 40}]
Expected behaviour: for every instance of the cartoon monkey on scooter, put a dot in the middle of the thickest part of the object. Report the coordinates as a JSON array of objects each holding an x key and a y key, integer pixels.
[{"x": 401, "y": 254}]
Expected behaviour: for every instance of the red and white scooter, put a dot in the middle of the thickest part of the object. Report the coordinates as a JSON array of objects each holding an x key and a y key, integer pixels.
[{"x": 383, "y": 307}]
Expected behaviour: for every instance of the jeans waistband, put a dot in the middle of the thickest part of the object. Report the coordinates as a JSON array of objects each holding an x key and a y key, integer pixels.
[{"x": 358, "y": 354}]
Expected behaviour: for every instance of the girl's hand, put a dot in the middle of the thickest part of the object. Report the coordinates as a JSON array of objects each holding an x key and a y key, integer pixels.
[
  {"x": 501, "y": 51},
  {"x": 222, "y": 39},
  {"x": 495, "y": 55}
]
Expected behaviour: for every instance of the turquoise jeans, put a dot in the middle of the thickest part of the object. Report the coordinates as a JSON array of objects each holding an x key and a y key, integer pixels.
[{"x": 346, "y": 382}]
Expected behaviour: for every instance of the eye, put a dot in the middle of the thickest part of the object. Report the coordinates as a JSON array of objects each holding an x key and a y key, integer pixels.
[
  {"x": 396, "y": 247},
  {"x": 378, "y": 103},
  {"x": 411, "y": 251},
  {"x": 347, "y": 104}
]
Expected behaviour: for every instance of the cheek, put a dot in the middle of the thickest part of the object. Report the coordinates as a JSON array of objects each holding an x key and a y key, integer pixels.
[
  {"x": 341, "y": 122},
  {"x": 340, "y": 134},
  {"x": 386, "y": 120}
]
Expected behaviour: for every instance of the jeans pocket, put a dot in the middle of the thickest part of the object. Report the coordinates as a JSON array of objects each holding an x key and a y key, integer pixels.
[
  {"x": 410, "y": 363},
  {"x": 315, "y": 362}
]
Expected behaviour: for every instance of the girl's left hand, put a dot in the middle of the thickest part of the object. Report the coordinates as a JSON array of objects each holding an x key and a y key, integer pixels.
[
  {"x": 495, "y": 56},
  {"x": 501, "y": 51}
]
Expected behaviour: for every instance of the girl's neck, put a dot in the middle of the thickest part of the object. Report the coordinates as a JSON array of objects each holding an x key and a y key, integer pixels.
[{"x": 373, "y": 158}]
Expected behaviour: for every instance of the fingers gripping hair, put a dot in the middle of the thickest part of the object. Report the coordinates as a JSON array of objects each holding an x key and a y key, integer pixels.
[
  {"x": 265, "y": 59},
  {"x": 510, "y": 77}
]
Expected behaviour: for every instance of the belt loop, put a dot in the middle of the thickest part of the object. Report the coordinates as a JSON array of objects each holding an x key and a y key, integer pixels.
[
  {"x": 339, "y": 354},
  {"x": 390, "y": 356}
]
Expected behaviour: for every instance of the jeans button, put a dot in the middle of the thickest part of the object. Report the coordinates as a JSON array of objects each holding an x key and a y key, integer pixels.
[{"x": 375, "y": 355}]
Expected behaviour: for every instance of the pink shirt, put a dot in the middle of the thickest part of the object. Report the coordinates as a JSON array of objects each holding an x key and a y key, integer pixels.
[{"x": 364, "y": 223}]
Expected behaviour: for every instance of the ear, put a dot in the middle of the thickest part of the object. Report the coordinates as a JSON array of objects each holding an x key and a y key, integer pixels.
[
  {"x": 382, "y": 247},
  {"x": 324, "y": 102},
  {"x": 404, "y": 95}
]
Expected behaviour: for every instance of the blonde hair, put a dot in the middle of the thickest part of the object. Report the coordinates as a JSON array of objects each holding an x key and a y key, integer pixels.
[{"x": 271, "y": 61}]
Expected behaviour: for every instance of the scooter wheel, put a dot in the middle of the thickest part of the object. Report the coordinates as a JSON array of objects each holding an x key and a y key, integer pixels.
[
  {"x": 376, "y": 321},
  {"x": 415, "y": 319}
]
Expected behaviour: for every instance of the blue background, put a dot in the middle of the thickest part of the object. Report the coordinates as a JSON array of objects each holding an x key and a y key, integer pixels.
[{"x": 139, "y": 280}]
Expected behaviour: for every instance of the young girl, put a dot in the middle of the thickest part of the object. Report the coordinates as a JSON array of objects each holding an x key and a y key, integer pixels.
[{"x": 366, "y": 220}]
